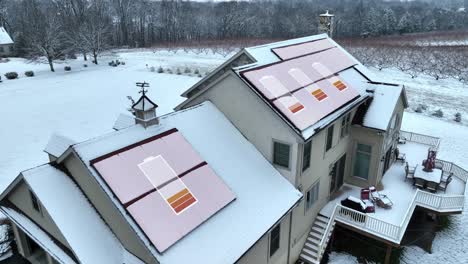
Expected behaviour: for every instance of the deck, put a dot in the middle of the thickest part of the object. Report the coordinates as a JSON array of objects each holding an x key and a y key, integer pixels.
[{"x": 390, "y": 224}]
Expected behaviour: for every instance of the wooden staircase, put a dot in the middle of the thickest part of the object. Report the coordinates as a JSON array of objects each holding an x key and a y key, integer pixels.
[{"x": 311, "y": 251}]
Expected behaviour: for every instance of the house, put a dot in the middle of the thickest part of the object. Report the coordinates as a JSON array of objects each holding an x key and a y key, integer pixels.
[
  {"x": 329, "y": 127},
  {"x": 6, "y": 43},
  {"x": 251, "y": 168},
  {"x": 111, "y": 199}
]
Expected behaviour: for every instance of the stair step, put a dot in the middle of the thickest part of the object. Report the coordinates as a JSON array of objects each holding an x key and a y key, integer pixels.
[
  {"x": 313, "y": 240},
  {"x": 322, "y": 219},
  {"x": 318, "y": 229},
  {"x": 310, "y": 253},
  {"x": 311, "y": 247},
  {"x": 321, "y": 224},
  {"x": 315, "y": 235},
  {"x": 309, "y": 259}
]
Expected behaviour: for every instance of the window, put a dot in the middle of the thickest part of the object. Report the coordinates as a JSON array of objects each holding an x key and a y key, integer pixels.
[
  {"x": 319, "y": 94},
  {"x": 281, "y": 154},
  {"x": 362, "y": 161},
  {"x": 275, "y": 239},
  {"x": 329, "y": 142},
  {"x": 345, "y": 125},
  {"x": 306, "y": 155},
  {"x": 35, "y": 202},
  {"x": 312, "y": 196}
]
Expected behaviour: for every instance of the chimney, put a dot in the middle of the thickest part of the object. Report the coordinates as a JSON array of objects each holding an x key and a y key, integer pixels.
[
  {"x": 144, "y": 109},
  {"x": 326, "y": 24}
]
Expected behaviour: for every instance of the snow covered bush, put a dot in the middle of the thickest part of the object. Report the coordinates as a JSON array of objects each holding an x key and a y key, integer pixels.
[
  {"x": 199, "y": 75},
  {"x": 11, "y": 75},
  {"x": 85, "y": 65},
  {"x": 160, "y": 69},
  {"x": 438, "y": 113},
  {"x": 458, "y": 117},
  {"x": 178, "y": 71},
  {"x": 29, "y": 73},
  {"x": 187, "y": 70},
  {"x": 152, "y": 69},
  {"x": 421, "y": 108},
  {"x": 169, "y": 71},
  {"x": 197, "y": 72},
  {"x": 112, "y": 64},
  {"x": 122, "y": 62},
  {"x": 67, "y": 68}
]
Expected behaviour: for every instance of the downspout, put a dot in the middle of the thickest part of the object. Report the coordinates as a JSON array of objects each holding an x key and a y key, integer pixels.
[{"x": 290, "y": 231}]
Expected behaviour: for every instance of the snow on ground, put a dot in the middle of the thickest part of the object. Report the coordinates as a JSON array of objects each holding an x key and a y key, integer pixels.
[
  {"x": 451, "y": 244},
  {"x": 85, "y": 102},
  {"x": 80, "y": 104},
  {"x": 449, "y": 95}
]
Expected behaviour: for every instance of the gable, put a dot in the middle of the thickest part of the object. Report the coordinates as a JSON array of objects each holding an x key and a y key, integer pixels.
[{"x": 20, "y": 198}]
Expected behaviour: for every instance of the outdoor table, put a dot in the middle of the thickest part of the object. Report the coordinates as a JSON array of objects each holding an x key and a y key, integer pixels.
[{"x": 434, "y": 176}]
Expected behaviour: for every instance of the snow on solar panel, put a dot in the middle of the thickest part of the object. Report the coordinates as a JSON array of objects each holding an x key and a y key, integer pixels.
[
  {"x": 165, "y": 185},
  {"x": 305, "y": 89},
  {"x": 297, "y": 50}
]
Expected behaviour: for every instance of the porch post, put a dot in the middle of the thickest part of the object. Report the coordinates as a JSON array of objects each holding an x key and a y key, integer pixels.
[{"x": 388, "y": 254}]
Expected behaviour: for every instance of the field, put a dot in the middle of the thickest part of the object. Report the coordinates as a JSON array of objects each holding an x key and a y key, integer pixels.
[{"x": 84, "y": 103}]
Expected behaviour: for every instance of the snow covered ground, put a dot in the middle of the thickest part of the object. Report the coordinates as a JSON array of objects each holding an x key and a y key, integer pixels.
[
  {"x": 82, "y": 103},
  {"x": 85, "y": 102},
  {"x": 449, "y": 95}
]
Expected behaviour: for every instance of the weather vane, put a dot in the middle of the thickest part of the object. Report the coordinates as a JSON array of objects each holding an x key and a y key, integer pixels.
[{"x": 142, "y": 85}]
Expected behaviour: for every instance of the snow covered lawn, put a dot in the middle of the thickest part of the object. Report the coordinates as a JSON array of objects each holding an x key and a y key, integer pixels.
[
  {"x": 449, "y": 95},
  {"x": 83, "y": 103}
]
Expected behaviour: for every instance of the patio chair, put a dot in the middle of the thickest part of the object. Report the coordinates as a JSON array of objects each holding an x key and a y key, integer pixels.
[
  {"x": 446, "y": 176},
  {"x": 438, "y": 165},
  {"x": 409, "y": 171},
  {"x": 419, "y": 183},
  {"x": 432, "y": 186},
  {"x": 400, "y": 156},
  {"x": 381, "y": 200},
  {"x": 401, "y": 140},
  {"x": 443, "y": 185}
]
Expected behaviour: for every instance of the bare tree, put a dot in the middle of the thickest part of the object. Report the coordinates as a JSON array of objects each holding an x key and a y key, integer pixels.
[
  {"x": 43, "y": 31},
  {"x": 95, "y": 33}
]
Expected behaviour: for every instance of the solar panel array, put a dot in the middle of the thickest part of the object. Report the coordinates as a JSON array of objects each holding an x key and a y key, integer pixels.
[
  {"x": 297, "y": 50},
  {"x": 307, "y": 88},
  {"x": 165, "y": 185}
]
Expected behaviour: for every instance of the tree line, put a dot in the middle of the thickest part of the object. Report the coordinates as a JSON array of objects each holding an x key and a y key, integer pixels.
[
  {"x": 55, "y": 28},
  {"x": 415, "y": 55}
]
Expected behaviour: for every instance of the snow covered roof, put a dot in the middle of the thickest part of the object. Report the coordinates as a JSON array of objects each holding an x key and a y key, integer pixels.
[
  {"x": 123, "y": 121},
  {"x": 48, "y": 183},
  {"x": 262, "y": 193},
  {"x": 5, "y": 37},
  {"x": 57, "y": 145},
  {"x": 384, "y": 101},
  {"x": 37, "y": 235},
  {"x": 263, "y": 53},
  {"x": 338, "y": 66},
  {"x": 144, "y": 104}
]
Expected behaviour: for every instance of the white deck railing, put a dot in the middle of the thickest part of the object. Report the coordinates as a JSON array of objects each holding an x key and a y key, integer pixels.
[
  {"x": 391, "y": 232},
  {"x": 434, "y": 142}
]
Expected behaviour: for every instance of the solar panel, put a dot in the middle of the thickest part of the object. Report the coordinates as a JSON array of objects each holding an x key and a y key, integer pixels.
[
  {"x": 297, "y": 50},
  {"x": 165, "y": 185},
  {"x": 305, "y": 89}
]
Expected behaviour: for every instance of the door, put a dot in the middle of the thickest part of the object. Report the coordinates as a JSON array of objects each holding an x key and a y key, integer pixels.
[
  {"x": 341, "y": 172},
  {"x": 337, "y": 174},
  {"x": 388, "y": 158}
]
